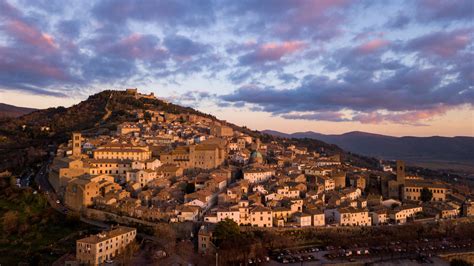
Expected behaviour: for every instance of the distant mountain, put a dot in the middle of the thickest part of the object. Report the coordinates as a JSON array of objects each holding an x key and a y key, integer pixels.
[
  {"x": 7, "y": 110},
  {"x": 446, "y": 151}
]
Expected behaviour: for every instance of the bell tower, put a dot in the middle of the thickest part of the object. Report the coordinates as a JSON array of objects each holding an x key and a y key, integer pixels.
[
  {"x": 76, "y": 144},
  {"x": 400, "y": 172}
]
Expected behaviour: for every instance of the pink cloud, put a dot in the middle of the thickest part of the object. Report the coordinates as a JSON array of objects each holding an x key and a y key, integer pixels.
[
  {"x": 27, "y": 65},
  {"x": 31, "y": 35},
  {"x": 133, "y": 46},
  {"x": 321, "y": 19},
  {"x": 410, "y": 117},
  {"x": 443, "y": 44},
  {"x": 372, "y": 46},
  {"x": 275, "y": 51}
]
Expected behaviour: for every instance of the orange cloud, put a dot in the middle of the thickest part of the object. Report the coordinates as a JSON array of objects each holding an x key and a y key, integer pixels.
[
  {"x": 409, "y": 117},
  {"x": 372, "y": 46},
  {"x": 283, "y": 48},
  {"x": 31, "y": 35}
]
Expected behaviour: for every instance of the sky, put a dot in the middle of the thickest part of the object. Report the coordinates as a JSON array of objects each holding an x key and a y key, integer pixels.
[{"x": 330, "y": 66}]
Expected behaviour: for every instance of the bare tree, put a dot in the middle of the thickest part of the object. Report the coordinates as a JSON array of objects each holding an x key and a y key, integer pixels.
[
  {"x": 127, "y": 254},
  {"x": 10, "y": 222},
  {"x": 165, "y": 236}
]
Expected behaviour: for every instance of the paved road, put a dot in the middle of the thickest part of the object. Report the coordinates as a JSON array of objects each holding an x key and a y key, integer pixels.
[{"x": 41, "y": 179}]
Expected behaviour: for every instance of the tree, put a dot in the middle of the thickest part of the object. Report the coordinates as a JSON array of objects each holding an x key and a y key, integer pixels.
[
  {"x": 127, "y": 254},
  {"x": 426, "y": 195},
  {"x": 226, "y": 230},
  {"x": 147, "y": 116},
  {"x": 10, "y": 222},
  {"x": 459, "y": 262},
  {"x": 190, "y": 188},
  {"x": 166, "y": 236}
]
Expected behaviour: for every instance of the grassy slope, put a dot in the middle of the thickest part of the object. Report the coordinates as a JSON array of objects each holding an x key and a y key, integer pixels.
[{"x": 41, "y": 236}]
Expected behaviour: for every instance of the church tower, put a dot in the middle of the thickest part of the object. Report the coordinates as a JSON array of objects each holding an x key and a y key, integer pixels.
[
  {"x": 400, "y": 172},
  {"x": 76, "y": 144}
]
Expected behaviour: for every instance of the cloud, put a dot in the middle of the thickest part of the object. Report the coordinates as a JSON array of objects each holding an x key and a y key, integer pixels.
[
  {"x": 165, "y": 12},
  {"x": 372, "y": 46},
  {"x": 135, "y": 46},
  {"x": 443, "y": 43},
  {"x": 410, "y": 93},
  {"x": 69, "y": 28},
  {"x": 409, "y": 117},
  {"x": 316, "y": 20},
  {"x": 270, "y": 52},
  {"x": 321, "y": 116},
  {"x": 183, "y": 47},
  {"x": 32, "y": 59},
  {"x": 23, "y": 32},
  {"x": 439, "y": 10},
  {"x": 194, "y": 98},
  {"x": 399, "y": 21},
  {"x": 313, "y": 60}
]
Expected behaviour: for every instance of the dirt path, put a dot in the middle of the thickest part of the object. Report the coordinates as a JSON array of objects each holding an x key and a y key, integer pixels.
[{"x": 108, "y": 112}]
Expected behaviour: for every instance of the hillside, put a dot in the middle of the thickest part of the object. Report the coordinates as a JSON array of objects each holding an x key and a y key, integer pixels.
[
  {"x": 25, "y": 139},
  {"x": 437, "y": 152},
  {"x": 7, "y": 110}
]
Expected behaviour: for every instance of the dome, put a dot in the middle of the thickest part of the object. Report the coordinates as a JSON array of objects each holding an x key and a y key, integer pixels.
[{"x": 256, "y": 154}]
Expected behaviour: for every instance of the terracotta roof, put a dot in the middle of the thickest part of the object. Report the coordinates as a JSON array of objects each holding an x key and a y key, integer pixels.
[
  {"x": 260, "y": 209},
  {"x": 104, "y": 236}
]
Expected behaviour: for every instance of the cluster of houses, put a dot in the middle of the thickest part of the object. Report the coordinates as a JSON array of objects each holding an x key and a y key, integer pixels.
[{"x": 187, "y": 167}]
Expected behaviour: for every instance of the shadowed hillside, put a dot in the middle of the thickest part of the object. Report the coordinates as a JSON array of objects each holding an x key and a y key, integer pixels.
[
  {"x": 7, "y": 110},
  {"x": 25, "y": 139}
]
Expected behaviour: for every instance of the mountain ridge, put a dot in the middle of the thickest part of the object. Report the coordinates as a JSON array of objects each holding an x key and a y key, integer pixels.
[
  {"x": 357, "y": 132},
  {"x": 8, "y": 110},
  {"x": 415, "y": 149}
]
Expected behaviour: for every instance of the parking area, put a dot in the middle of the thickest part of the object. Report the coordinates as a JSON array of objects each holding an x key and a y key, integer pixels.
[
  {"x": 416, "y": 251},
  {"x": 286, "y": 256}
]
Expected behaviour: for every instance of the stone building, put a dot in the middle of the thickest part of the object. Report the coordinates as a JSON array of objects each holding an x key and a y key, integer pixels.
[
  {"x": 261, "y": 217},
  {"x": 209, "y": 154},
  {"x": 395, "y": 187},
  {"x": 123, "y": 151},
  {"x": 350, "y": 216},
  {"x": 80, "y": 192},
  {"x": 100, "y": 248},
  {"x": 467, "y": 208},
  {"x": 257, "y": 175},
  {"x": 76, "y": 145},
  {"x": 221, "y": 131},
  {"x": 413, "y": 188},
  {"x": 339, "y": 179},
  {"x": 205, "y": 245},
  {"x": 127, "y": 128}
]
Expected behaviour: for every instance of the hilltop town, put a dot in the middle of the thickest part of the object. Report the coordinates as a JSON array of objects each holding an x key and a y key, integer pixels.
[{"x": 183, "y": 167}]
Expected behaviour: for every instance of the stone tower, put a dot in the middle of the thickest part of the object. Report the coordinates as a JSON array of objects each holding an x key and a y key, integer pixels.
[
  {"x": 76, "y": 144},
  {"x": 400, "y": 172}
]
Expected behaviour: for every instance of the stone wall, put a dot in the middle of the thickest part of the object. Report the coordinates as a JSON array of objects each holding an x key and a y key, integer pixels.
[{"x": 104, "y": 216}]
